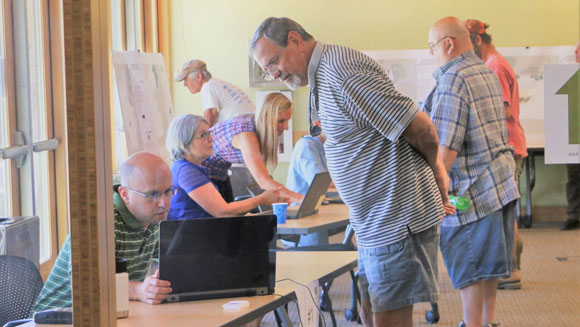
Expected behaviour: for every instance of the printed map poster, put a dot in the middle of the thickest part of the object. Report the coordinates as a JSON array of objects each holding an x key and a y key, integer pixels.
[
  {"x": 562, "y": 113},
  {"x": 286, "y": 142},
  {"x": 147, "y": 110},
  {"x": 411, "y": 72},
  {"x": 528, "y": 63}
]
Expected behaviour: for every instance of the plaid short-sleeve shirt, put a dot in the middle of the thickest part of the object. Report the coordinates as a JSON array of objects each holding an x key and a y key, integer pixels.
[
  {"x": 467, "y": 109},
  {"x": 224, "y": 153}
]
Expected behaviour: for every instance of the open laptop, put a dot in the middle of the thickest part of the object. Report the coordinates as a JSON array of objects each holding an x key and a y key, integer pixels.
[
  {"x": 313, "y": 198},
  {"x": 218, "y": 257}
]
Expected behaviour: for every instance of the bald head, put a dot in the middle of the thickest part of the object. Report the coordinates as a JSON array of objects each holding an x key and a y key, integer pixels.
[
  {"x": 142, "y": 165},
  {"x": 451, "y": 26},
  {"x": 146, "y": 187},
  {"x": 449, "y": 38}
]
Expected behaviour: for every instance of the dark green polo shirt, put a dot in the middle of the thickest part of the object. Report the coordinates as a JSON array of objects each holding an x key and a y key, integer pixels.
[{"x": 139, "y": 246}]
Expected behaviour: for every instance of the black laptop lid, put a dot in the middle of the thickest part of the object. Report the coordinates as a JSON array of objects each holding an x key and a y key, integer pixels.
[{"x": 215, "y": 254}]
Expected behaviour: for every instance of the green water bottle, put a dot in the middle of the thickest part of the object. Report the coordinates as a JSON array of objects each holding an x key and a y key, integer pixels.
[{"x": 459, "y": 202}]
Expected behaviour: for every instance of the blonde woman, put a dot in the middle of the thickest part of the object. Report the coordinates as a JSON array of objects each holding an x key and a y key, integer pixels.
[
  {"x": 253, "y": 141},
  {"x": 189, "y": 142}
]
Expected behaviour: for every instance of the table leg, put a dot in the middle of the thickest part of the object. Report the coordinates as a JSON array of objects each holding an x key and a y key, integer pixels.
[{"x": 283, "y": 314}]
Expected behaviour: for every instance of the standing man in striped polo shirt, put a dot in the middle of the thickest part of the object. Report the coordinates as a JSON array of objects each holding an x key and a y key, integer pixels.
[
  {"x": 383, "y": 158},
  {"x": 467, "y": 108},
  {"x": 141, "y": 202}
]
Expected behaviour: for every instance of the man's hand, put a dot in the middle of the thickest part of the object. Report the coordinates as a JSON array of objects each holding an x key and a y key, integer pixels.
[
  {"x": 152, "y": 290},
  {"x": 443, "y": 185}
]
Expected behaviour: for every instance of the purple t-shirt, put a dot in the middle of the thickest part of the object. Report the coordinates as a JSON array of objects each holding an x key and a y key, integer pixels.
[{"x": 186, "y": 178}]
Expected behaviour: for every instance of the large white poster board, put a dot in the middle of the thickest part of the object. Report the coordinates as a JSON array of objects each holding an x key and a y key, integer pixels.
[
  {"x": 143, "y": 88},
  {"x": 562, "y": 113},
  {"x": 411, "y": 73},
  {"x": 286, "y": 143}
]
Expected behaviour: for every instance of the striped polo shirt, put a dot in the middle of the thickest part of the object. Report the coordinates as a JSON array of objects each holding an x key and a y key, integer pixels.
[
  {"x": 386, "y": 183},
  {"x": 139, "y": 246}
]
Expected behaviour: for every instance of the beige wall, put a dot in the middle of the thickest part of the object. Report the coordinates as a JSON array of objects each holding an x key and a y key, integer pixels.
[{"x": 219, "y": 31}]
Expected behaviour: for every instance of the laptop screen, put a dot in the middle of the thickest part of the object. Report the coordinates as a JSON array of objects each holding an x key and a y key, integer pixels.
[
  {"x": 316, "y": 192},
  {"x": 216, "y": 254}
]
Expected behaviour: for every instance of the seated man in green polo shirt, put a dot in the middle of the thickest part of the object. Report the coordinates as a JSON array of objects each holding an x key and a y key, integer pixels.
[{"x": 141, "y": 202}]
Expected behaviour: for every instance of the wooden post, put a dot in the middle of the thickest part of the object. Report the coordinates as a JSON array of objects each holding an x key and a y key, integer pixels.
[{"x": 86, "y": 46}]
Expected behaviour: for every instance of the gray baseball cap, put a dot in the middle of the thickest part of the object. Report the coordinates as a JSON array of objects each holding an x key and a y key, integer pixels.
[{"x": 190, "y": 66}]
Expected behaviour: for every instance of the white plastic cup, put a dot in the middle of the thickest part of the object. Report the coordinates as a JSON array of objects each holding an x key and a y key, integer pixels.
[
  {"x": 122, "y": 292},
  {"x": 281, "y": 211}
]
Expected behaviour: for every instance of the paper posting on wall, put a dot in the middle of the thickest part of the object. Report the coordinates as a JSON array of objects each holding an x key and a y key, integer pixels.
[
  {"x": 143, "y": 87},
  {"x": 286, "y": 142},
  {"x": 411, "y": 73},
  {"x": 562, "y": 113}
]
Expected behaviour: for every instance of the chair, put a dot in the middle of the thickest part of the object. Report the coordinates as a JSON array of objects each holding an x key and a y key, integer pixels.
[{"x": 20, "y": 284}]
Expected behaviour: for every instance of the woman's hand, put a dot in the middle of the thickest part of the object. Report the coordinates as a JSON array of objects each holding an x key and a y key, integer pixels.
[{"x": 272, "y": 196}]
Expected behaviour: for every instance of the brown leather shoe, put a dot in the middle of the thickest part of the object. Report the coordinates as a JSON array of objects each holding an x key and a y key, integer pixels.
[{"x": 513, "y": 282}]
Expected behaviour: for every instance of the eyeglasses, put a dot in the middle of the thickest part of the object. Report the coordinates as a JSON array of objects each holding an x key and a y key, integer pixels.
[
  {"x": 204, "y": 135},
  {"x": 431, "y": 46},
  {"x": 155, "y": 195},
  {"x": 271, "y": 68}
]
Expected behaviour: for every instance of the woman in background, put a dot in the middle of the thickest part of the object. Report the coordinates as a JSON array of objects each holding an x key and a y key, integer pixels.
[
  {"x": 189, "y": 142},
  {"x": 251, "y": 140}
]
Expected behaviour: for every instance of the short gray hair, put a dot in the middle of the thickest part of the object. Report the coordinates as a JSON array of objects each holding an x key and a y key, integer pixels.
[
  {"x": 204, "y": 74},
  {"x": 276, "y": 29},
  {"x": 180, "y": 134}
]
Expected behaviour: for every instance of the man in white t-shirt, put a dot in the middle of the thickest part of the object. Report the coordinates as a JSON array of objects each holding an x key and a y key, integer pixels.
[{"x": 219, "y": 100}]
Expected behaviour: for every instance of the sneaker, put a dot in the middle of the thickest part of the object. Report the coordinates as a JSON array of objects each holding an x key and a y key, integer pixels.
[
  {"x": 513, "y": 282},
  {"x": 570, "y": 224}
]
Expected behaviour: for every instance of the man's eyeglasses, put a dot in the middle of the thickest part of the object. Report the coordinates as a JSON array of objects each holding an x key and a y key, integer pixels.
[
  {"x": 204, "y": 135},
  {"x": 155, "y": 195},
  {"x": 271, "y": 68},
  {"x": 432, "y": 46}
]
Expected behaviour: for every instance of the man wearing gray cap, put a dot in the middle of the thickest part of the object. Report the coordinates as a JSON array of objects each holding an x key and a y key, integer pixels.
[{"x": 219, "y": 100}]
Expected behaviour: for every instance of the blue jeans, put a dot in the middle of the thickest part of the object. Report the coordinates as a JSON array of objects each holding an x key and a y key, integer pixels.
[
  {"x": 481, "y": 250},
  {"x": 400, "y": 274}
]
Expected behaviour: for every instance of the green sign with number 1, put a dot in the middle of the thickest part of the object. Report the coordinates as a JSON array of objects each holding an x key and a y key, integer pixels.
[{"x": 572, "y": 89}]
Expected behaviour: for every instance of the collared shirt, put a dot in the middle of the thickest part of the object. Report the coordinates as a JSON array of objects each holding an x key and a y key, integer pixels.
[
  {"x": 386, "y": 183},
  {"x": 467, "y": 110},
  {"x": 308, "y": 159},
  {"x": 139, "y": 246},
  {"x": 224, "y": 153},
  {"x": 511, "y": 95}
]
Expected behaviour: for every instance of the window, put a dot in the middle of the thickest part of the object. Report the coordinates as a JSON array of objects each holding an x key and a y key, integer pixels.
[
  {"x": 5, "y": 206},
  {"x": 27, "y": 172}
]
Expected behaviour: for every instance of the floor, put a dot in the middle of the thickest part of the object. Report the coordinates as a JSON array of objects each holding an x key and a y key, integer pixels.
[{"x": 550, "y": 294}]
